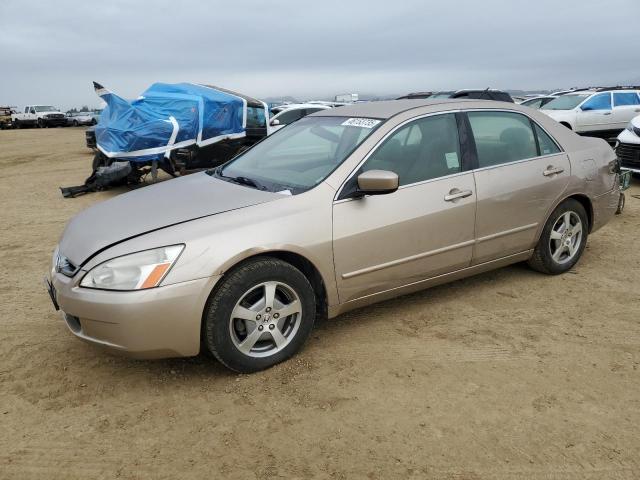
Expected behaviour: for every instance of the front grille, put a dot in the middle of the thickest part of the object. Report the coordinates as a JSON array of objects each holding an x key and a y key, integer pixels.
[
  {"x": 55, "y": 115},
  {"x": 629, "y": 155}
]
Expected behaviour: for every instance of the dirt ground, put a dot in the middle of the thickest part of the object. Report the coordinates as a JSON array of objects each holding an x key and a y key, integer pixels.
[{"x": 510, "y": 374}]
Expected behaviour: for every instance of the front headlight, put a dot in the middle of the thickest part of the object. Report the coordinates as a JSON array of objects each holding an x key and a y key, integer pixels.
[{"x": 136, "y": 271}]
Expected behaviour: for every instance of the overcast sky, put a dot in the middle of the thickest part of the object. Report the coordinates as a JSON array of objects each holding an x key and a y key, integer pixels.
[{"x": 50, "y": 51}]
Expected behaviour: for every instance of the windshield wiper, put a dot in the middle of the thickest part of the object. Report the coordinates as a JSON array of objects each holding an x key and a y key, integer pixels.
[
  {"x": 240, "y": 180},
  {"x": 248, "y": 182}
]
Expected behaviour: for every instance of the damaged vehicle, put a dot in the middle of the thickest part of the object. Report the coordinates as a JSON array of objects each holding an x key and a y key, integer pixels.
[
  {"x": 5, "y": 117},
  {"x": 178, "y": 128},
  {"x": 341, "y": 209}
]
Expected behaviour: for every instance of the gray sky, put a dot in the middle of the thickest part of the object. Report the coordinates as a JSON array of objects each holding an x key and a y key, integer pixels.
[{"x": 50, "y": 51}]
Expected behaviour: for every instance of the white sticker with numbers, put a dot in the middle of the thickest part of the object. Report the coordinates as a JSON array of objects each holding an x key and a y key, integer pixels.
[{"x": 361, "y": 122}]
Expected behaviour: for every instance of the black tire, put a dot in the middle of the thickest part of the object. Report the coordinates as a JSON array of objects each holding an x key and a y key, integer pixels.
[
  {"x": 41, "y": 123},
  {"x": 75, "y": 123},
  {"x": 217, "y": 335},
  {"x": 542, "y": 259}
]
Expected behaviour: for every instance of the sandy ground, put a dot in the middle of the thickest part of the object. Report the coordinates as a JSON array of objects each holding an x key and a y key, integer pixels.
[{"x": 510, "y": 374}]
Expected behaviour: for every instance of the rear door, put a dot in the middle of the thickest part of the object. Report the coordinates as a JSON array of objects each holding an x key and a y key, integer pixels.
[
  {"x": 521, "y": 172},
  {"x": 626, "y": 105},
  {"x": 424, "y": 229}
]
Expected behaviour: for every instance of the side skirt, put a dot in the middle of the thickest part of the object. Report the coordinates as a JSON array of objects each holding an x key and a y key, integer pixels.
[{"x": 336, "y": 310}]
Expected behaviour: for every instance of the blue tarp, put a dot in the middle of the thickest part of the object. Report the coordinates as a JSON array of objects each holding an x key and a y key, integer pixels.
[{"x": 165, "y": 117}]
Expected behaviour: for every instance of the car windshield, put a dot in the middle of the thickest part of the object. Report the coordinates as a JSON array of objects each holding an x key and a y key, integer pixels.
[
  {"x": 299, "y": 156},
  {"x": 45, "y": 108},
  {"x": 566, "y": 102}
]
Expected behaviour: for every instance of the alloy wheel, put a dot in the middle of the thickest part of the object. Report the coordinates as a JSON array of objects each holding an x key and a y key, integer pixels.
[
  {"x": 265, "y": 319},
  {"x": 566, "y": 237}
]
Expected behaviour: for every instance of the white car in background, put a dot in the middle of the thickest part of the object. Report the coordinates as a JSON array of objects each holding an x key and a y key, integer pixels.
[
  {"x": 537, "y": 102},
  {"x": 628, "y": 148},
  {"x": 285, "y": 114},
  {"x": 604, "y": 112}
]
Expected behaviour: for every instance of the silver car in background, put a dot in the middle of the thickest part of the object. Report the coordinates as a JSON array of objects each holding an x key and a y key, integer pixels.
[
  {"x": 76, "y": 119},
  {"x": 341, "y": 209}
]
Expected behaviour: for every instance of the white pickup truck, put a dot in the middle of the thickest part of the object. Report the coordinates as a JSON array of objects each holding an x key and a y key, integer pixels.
[{"x": 39, "y": 115}]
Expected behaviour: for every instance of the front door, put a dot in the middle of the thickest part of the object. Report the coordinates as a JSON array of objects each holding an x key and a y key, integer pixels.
[
  {"x": 424, "y": 229},
  {"x": 521, "y": 174},
  {"x": 595, "y": 114}
]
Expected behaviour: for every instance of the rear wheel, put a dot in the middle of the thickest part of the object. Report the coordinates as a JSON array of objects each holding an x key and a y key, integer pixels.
[
  {"x": 260, "y": 315},
  {"x": 563, "y": 239}
]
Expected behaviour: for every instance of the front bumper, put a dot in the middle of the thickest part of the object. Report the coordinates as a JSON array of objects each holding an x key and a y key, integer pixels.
[{"x": 155, "y": 323}]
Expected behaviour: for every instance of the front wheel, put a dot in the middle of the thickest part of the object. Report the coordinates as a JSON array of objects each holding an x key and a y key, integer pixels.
[
  {"x": 563, "y": 239},
  {"x": 260, "y": 315}
]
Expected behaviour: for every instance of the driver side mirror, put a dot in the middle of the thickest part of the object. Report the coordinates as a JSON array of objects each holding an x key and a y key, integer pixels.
[
  {"x": 377, "y": 182},
  {"x": 275, "y": 122}
]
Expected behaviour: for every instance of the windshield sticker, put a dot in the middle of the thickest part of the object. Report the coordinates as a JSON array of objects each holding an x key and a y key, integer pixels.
[{"x": 361, "y": 122}]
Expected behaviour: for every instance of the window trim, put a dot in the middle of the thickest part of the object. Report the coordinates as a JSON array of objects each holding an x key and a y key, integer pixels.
[
  {"x": 336, "y": 197},
  {"x": 535, "y": 135}
]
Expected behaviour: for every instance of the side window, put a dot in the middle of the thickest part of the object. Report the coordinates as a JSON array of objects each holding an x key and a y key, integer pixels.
[
  {"x": 33, "y": 110},
  {"x": 290, "y": 116},
  {"x": 255, "y": 117},
  {"x": 547, "y": 145},
  {"x": 421, "y": 150},
  {"x": 601, "y": 101},
  {"x": 625, "y": 98},
  {"x": 502, "y": 137}
]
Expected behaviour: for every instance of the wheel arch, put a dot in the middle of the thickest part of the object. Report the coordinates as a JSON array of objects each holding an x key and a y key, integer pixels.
[
  {"x": 583, "y": 199},
  {"x": 298, "y": 260}
]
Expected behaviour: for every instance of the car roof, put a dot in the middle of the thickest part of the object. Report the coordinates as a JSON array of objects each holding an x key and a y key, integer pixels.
[{"x": 388, "y": 108}]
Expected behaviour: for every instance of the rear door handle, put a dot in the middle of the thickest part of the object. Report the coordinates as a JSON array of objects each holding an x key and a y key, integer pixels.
[
  {"x": 551, "y": 170},
  {"x": 456, "y": 193}
]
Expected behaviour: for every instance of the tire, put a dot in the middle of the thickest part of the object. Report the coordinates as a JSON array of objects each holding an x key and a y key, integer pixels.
[
  {"x": 243, "y": 291},
  {"x": 75, "y": 123},
  {"x": 41, "y": 123},
  {"x": 555, "y": 234}
]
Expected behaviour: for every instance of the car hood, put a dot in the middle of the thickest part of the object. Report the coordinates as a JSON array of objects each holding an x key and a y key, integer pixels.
[{"x": 152, "y": 208}]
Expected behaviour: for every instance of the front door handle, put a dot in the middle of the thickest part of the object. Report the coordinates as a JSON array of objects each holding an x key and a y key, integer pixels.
[
  {"x": 456, "y": 193},
  {"x": 607, "y": 113},
  {"x": 551, "y": 170}
]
